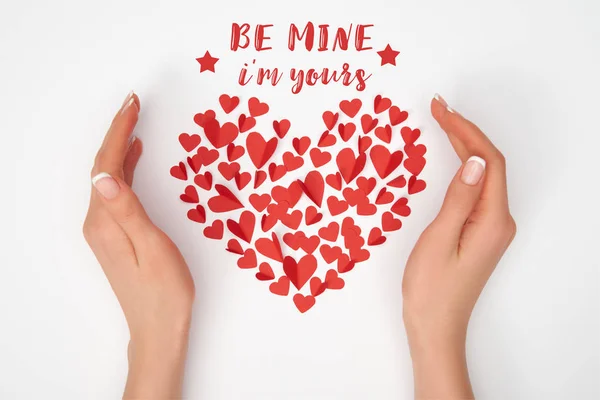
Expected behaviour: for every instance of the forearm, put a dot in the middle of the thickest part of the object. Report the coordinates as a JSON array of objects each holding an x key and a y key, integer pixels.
[
  {"x": 156, "y": 371},
  {"x": 439, "y": 365}
]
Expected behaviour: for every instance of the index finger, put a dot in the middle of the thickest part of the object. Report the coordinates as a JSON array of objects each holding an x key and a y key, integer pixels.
[{"x": 473, "y": 142}]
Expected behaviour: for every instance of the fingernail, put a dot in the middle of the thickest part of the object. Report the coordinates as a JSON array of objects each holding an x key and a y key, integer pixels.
[
  {"x": 129, "y": 96},
  {"x": 132, "y": 139},
  {"x": 473, "y": 171},
  {"x": 440, "y": 99},
  {"x": 106, "y": 185},
  {"x": 444, "y": 103},
  {"x": 127, "y": 105}
]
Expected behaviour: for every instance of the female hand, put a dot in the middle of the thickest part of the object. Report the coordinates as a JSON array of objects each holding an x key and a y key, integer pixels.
[
  {"x": 145, "y": 269},
  {"x": 453, "y": 259}
]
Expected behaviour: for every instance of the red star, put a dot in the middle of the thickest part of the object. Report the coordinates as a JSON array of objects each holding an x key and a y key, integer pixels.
[
  {"x": 207, "y": 62},
  {"x": 388, "y": 56}
]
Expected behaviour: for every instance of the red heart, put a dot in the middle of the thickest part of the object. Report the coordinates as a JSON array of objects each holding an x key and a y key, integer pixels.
[
  {"x": 190, "y": 195},
  {"x": 384, "y": 133},
  {"x": 398, "y": 182},
  {"x": 228, "y": 170},
  {"x": 384, "y": 197},
  {"x": 349, "y": 165},
  {"x": 248, "y": 260},
  {"x": 197, "y": 214},
  {"x": 243, "y": 229},
  {"x": 215, "y": 231},
  {"x": 336, "y": 206},
  {"x": 346, "y": 131},
  {"x": 220, "y": 136},
  {"x": 201, "y": 118},
  {"x": 299, "y": 272},
  {"x": 270, "y": 248},
  {"x": 257, "y": 108},
  {"x": 259, "y": 202},
  {"x": 281, "y": 287},
  {"x": 301, "y": 145},
  {"x": 401, "y": 208},
  {"x": 310, "y": 244},
  {"x": 389, "y": 223},
  {"x": 366, "y": 185},
  {"x": 397, "y": 116},
  {"x": 319, "y": 158},
  {"x": 330, "y": 119},
  {"x": 368, "y": 123},
  {"x": 317, "y": 286},
  {"x": 345, "y": 264},
  {"x": 242, "y": 180},
  {"x": 351, "y": 108},
  {"x": 333, "y": 281},
  {"x": 334, "y": 180},
  {"x": 281, "y": 128},
  {"x": 292, "y": 162},
  {"x": 312, "y": 216},
  {"x": 330, "y": 232},
  {"x": 265, "y": 272},
  {"x": 228, "y": 104},
  {"x": 380, "y": 104},
  {"x": 233, "y": 246},
  {"x": 246, "y": 123},
  {"x": 415, "y": 185},
  {"x": 226, "y": 201},
  {"x": 330, "y": 254},
  {"x": 313, "y": 186},
  {"x": 234, "y": 152},
  {"x": 409, "y": 135},
  {"x": 259, "y": 178},
  {"x": 414, "y": 165},
  {"x": 195, "y": 163},
  {"x": 179, "y": 171},
  {"x": 207, "y": 156},
  {"x": 303, "y": 303},
  {"x": 189, "y": 142},
  {"x": 385, "y": 162},
  {"x": 375, "y": 237},
  {"x": 276, "y": 172},
  {"x": 259, "y": 150},
  {"x": 326, "y": 140},
  {"x": 364, "y": 142}
]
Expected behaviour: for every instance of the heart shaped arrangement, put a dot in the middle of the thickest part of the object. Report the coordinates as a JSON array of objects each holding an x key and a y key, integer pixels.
[{"x": 321, "y": 201}]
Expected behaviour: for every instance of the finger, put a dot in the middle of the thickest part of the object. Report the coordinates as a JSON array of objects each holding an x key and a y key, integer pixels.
[
  {"x": 131, "y": 160},
  {"x": 123, "y": 206},
  {"x": 111, "y": 156},
  {"x": 473, "y": 142},
  {"x": 438, "y": 107},
  {"x": 461, "y": 198}
]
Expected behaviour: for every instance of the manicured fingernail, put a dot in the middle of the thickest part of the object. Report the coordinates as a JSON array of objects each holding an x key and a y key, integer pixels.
[
  {"x": 440, "y": 99},
  {"x": 106, "y": 185},
  {"x": 132, "y": 139},
  {"x": 127, "y": 105},
  {"x": 129, "y": 96},
  {"x": 473, "y": 171}
]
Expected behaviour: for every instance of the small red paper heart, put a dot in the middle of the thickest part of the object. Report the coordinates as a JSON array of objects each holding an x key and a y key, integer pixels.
[
  {"x": 228, "y": 104},
  {"x": 265, "y": 272},
  {"x": 330, "y": 232},
  {"x": 364, "y": 142},
  {"x": 317, "y": 286},
  {"x": 384, "y": 197},
  {"x": 281, "y": 287},
  {"x": 334, "y": 180},
  {"x": 201, "y": 118},
  {"x": 303, "y": 303},
  {"x": 233, "y": 246},
  {"x": 215, "y": 231},
  {"x": 244, "y": 228},
  {"x": 375, "y": 237},
  {"x": 333, "y": 281},
  {"x": 401, "y": 208},
  {"x": 368, "y": 123},
  {"x": 259, "y": 202},
  {"x": 276, "y": 172},
  {"x": 326, "y": 140},
  {"x": 319, "y": 158},
  {"x": 259, "y": 150},
  {"x": 226, "y": 201},
  {"x": 301, "y": 144},
  {"x": 389, "y": 223},
  {"x": 220, "y": 136},
  {"x": 312, "y": 216},
  {"x": 380, "y": 104},
  {"x": 234, "y": 152},
  {"x": 346, "y": 131},
  {"x": 257, "y": 108},
  {"x": 410, "y": 135},
  {"x": 246, "y": 123},
  {"x": 248, "y": 260},
  {"x": 179, "y": 171},
  {"x": 291, "y": 161},
  {"x": 299, "y": 272},
  {"x": 313, "y": 186},
  {"x": 330, "y": 254},
  {"x": 270, "y": 248},
  {"x": 207, "y": 156},
  {"x": 336, "y": 206},
  {"x": 385, "y": 162},
  {"x": 397, "y": 182},
  {"x": 259, "y": 178},
  {"x": 197, "y": 214},
  {"x": 349, "y": 165},
  {"x": 415, "y": 185},
  {"x": 189, "y": 142},
  {"x": 281, "y": 128},
  {"x": 366, "y": 184},
  {"x": 351, "y": 108},
  {"x": 384, "y": 133},
  {"x": 228, "y": 170},
  {"x": 330, "y": 119},
  {"x": 190, "y": 195},
  {"x": 397, "y": 116}
]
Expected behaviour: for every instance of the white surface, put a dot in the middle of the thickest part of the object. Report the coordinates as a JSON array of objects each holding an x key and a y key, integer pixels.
[{"x": 525, "y": 71}]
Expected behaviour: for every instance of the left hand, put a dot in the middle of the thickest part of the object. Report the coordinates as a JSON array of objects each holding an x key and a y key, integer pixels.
[{"x": 144, "y": 267}]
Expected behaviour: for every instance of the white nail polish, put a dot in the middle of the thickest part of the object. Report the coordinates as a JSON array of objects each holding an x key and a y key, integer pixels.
[
  {"x": 450, "y": 110},
  {"x": 479, "y": 160},
  {"x": 101, "y": 175},
  {"x": 129, "y": 96},
  {"x": 129, "y": 103},
  {"x": 132, "y": 139}
]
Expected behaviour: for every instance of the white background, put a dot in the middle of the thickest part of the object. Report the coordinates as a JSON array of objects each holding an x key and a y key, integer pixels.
[{"x": 525, "y": 71}]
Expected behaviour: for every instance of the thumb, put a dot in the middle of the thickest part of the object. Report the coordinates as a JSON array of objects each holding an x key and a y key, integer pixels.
[
  {"x": 123, "y": 205},
  {"x": 462, "y": 196}
]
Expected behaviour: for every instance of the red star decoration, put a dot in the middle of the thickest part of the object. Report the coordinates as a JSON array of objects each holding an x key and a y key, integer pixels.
[
  {"x": 388, "y": 56},
  {"x": 207, "y": 62}
]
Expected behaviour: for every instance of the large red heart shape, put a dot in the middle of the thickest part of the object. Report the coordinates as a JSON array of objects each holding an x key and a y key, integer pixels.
[{"x": 312, "y": 215}]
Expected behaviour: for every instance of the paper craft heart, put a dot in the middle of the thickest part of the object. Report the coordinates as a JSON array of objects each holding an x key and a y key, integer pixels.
[{"x": 329, "y": 200}]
